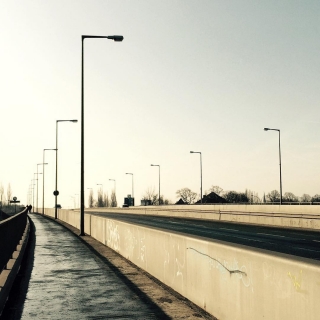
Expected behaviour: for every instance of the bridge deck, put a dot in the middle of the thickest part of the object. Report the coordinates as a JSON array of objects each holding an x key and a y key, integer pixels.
[{"x": 63, "y": 279}]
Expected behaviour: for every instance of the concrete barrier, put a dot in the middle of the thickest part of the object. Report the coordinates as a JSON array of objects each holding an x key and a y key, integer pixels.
[
  {"x": 8, "y": 275},
  {"x": 293, "y": 216},
  {"x": 229, "y": 281}
]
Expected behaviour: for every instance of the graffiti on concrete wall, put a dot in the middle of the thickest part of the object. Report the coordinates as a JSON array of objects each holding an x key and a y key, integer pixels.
[
  {"x": 174, "y": 262},
  {"x": 113, "y": 237},
  {"x": 135, "y": 248},
  {"x": 296, "y": 280},
  {"x": 277, "y": 279}
]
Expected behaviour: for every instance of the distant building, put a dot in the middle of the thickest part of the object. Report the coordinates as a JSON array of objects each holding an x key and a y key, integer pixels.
[
  {"x": 145, "y": 202},
  {"x": 212, "y": 198},
  {"x": 180, "y": 201},
  {"x": 129, "y": 201}
]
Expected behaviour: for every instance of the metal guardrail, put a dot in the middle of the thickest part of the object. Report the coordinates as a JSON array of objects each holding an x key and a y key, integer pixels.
[{"x": 11, "y": 231}]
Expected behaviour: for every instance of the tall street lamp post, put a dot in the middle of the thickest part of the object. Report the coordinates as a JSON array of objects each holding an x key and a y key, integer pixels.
[
  {"x": 157, "y": 165},
  {"x": 43, "y": 164},
  {"x": 114, "y": 38},
  {"x": 200, "y": 172},
  {"x": 33, "y": 184},
  {"x": 39, "y": 164},
  {"x": 56, "y": 192},
  {"x": 132, "y": 182},
  {"x": 30, "y": 193},
  {"x": 269, "y": 129},
  {"x": 43, "y": 177}
]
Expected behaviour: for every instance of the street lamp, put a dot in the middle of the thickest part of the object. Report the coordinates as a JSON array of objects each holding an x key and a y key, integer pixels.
[
  {"x": 38, "y": 184},
  {"x": 200, "y": 172},
  {"x": 33, "y": 184},
  {"x": 114, "y": 38},
  {"x": 38, "y": 179},
  {"x": 268, "y": 129},
  {"x": 157, "y": 165},
  {"x": 43, "y": 178},
  {"x": 132, "y": 182},
  {"x": 56, "y": 192}
]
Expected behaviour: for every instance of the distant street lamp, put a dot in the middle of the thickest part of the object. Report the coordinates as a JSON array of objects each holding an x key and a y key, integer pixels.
[
  {"x": 56, "y": 192},
  {"x": 114, "y": 38},
  {"x": 77, "y": 199},
  {"x": 33, "y": 184},
  {"x": 43, "y": 177},
  {"x": 100, "y": 184},
  {"x": 43, "y": 164},
  {"x": 157, "y": 165},
  {"x": 132, "y": 183},
  {"x": 200, "y": 172},
  {"x": 114, "y": 186},
  {"x": 38, "y": 179},
  {"x": 268, "y": 129}
]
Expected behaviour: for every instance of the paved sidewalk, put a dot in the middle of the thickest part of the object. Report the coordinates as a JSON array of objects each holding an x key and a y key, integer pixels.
[{"x": 64, "y": 279}]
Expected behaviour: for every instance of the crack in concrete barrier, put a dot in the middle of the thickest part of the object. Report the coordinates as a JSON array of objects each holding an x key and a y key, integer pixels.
[{"x": 230, "y": 271}]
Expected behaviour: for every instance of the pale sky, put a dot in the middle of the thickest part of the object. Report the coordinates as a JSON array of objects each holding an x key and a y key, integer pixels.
[{"x": 190, "y": 75}]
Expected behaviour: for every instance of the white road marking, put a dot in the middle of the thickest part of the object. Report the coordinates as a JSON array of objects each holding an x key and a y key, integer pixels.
[
  {"x": 307, "y": 249},
  {"x": 228, "y": 229},
  {"x": 316, "y": 240},
  {"x": 274, "y": 235}
]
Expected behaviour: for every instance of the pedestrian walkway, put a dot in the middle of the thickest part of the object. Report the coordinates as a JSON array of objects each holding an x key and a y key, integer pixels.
[{"x": 68, "y": 281}]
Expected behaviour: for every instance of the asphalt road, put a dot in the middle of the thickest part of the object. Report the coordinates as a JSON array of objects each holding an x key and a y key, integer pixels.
[{"x": 296, "y": 242}]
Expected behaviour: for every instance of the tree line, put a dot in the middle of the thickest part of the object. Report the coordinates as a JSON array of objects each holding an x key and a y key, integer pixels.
[
  {"x": 103, "y": 199},
  {"x": 5, "y": 197},
  {"x": 187, "y": 196}
]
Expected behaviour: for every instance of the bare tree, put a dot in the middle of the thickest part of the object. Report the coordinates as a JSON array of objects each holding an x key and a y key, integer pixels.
[
  {"x": 216, "y": 189},
  {"x": 252, "y": 196},
  {"x": 186, "y": 195},
  {"x": 316, "y": 198},
  {"x": 290, "y": 197},
  {"x": 106, "y": 200},
  {"x": 91, "y": 200},
  {"x": 151, "y": 195},
  {"x": 100, "y": 199},
  {"x": 1, "y": 194},
  {"x": 9, "y": 192},
  {"x": 305, "y": 198},
  {"x": 235, "y": 197},
  {"x": 113, "y": 199},
  {"x": 274, "y": 196}
]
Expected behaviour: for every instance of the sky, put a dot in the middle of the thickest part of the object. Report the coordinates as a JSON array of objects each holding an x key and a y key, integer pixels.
[{"x": 191, "y": 75}]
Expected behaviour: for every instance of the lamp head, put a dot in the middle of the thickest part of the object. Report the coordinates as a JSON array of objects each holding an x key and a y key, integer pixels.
[
  {"x": 266, "y": 129},
  {"x": 191, "y": 152},
  {"x": 74, "y": 120},
  {"x": 116, "y": 38}
]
